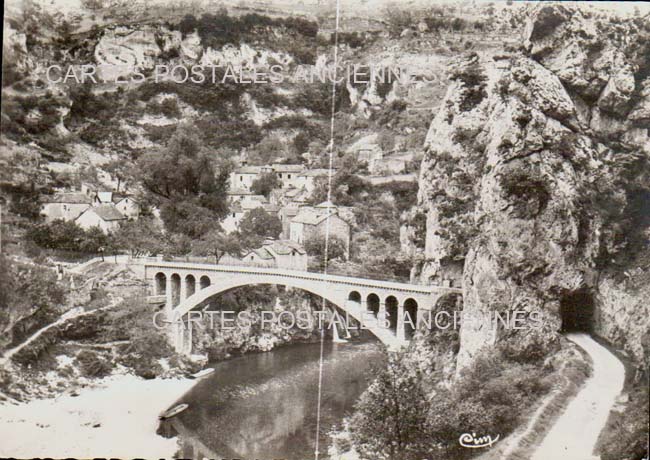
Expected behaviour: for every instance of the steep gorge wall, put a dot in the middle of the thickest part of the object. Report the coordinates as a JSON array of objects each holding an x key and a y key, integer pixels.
[{"x": 535, "y": 180}]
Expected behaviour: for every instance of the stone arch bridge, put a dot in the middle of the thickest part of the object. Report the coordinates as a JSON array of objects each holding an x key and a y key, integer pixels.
[{"x": 184, "y": 287}]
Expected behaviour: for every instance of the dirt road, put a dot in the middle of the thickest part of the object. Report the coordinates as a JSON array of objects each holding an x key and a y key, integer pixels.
[{"x": 574, "y": 435}]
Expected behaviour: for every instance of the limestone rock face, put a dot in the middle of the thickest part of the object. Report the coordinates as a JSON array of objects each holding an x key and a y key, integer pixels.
[
  {"x": 527, "y": 178},
  {"x": 123, "y": 49}
]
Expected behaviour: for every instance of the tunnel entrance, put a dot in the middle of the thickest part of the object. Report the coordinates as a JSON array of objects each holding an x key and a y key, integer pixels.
[{"x": 577, "y": 311}]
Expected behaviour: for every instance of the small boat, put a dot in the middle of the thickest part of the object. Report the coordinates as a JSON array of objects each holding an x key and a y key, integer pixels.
[
  {"x": 203, "y": 373},
  {"x": 169, "y": 413}
]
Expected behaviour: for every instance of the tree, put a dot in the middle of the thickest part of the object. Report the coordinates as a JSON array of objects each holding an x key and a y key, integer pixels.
[
  {"x": 268, "y": 149},
  {"x": 256, "y": 225},
  {"x": 397, "y": 19},
  {"x": 140, "y": 237},
  {"x": 390, "y": 421},
  {"x": 265, "y": 184},
  {"x": 336, "y": 247},
  {"x": 216, "y": 243},
  {"x": 118, "y": 171},
  {"x": 186, "y": 184}
]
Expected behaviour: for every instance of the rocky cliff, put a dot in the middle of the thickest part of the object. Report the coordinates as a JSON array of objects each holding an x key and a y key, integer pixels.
[{"x": 536, "y": 181}]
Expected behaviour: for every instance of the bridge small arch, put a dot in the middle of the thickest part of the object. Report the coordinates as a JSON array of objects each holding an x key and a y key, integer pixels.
[
  {"x": 160, "y": 284},
  {"x": 372, "y": 303},
  {"x": 391, "y": 312},
  {"x": 190, "y": 285},
  {"x": 204, "y": 282},
  {"x": 355, "y": 296},
  {"x": 410, "y": 317},
  {"x": 176, "y": 289}
]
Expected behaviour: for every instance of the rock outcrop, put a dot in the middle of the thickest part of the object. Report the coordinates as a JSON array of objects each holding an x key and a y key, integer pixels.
[{"x": 536, "y": 179}]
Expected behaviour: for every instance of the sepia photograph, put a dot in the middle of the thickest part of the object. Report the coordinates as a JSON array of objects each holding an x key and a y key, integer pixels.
[{"x": 325, "y": 229}]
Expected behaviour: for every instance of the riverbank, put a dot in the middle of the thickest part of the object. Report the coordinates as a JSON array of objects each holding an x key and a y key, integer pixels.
[{"x": 116, "y": 418}]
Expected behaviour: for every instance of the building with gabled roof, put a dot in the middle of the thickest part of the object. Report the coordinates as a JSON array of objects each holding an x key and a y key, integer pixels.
[
  {"x": 66, "y": 206},
  {"x": 104, "y": 216},
  {"x": 282, "y": 254},
  {"x": 312, "y": 222}
]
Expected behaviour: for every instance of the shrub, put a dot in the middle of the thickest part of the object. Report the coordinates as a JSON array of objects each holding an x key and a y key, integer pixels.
[{"x": 93, "y": 365}]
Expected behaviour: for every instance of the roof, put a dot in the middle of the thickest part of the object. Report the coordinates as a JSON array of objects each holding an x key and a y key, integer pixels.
[
  {"x": 318, "y": 172},
  {"x": 290, "y": 211},
  {"x": 239, "y": 191},
  {"x": 106, "y": 212},
  {"x": 248, "y": 170},
  {"x": 105, "y": 197},
  {"x": 310, "y": 216},
  {"x": 326, "y": 205},
  {"x": 285, "y": 247},
  {"x": 293, "y": 192},
  {"x": 262, "y": 253},
  {"x": 270, "y": 207},
  {"x": 69, "y": 198},
  {"x": 287, "y": 168},
  {"x": 117, "y": 197}
]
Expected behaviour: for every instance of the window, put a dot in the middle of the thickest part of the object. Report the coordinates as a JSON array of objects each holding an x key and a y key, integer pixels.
[
  {"x": 241, "y": 178},
  {"x": 233, "y": 215},
  {"x": 280, "y": 175},
  {"x": 288, "y": 176}
]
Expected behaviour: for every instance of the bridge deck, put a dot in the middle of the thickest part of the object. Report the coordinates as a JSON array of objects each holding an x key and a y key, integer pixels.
[{"x": 297, "y": 274}]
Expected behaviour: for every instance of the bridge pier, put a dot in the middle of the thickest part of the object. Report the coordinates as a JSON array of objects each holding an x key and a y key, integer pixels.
[
  {"x": 182, "y": 337},
  {"x": 168, "y": 296},
  {"x": 401, "y": 334},
  {"x": 381, "y": 314},
  {"x": 183, "y": 289}
]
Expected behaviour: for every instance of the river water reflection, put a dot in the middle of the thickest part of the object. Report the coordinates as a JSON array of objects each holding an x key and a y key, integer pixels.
[{"x": 263, "y": 406}]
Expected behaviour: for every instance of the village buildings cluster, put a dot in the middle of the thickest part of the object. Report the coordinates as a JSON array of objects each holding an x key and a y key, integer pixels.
[
  {"x": 90, "y": 207},
  {"x": 300, "y": 220}
]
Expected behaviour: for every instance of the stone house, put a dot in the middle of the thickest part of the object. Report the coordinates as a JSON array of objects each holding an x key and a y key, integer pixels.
[
  {"x": 104, "y": 216},
  {"x": 282, "y": 254},
  {"x": 128, "y": 206},
  {"x": 309, "y": 179},
  {"x": 244, "y": 176},
  {"x": 312, "y": 221},
  {"x": 66, "y": 206},
  {"x": 288, "y": 175},
  {"x": 239, "y": 209}
]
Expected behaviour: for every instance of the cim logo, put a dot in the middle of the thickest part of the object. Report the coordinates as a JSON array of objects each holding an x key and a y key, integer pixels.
[{"x": 470, "y": 440}]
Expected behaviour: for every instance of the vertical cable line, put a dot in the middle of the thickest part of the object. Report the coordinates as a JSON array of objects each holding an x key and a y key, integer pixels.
[{"x": 327, "y": 225}]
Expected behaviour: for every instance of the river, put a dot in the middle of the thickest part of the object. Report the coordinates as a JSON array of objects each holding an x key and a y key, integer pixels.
[{"x": 263, "y": 406}]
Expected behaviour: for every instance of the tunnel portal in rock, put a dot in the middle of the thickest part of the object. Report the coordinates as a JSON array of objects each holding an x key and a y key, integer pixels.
[{"x": 577, "y": 311}]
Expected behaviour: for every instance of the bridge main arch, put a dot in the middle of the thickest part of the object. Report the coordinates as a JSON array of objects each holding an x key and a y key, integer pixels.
[{"x": 328, "y": 291}]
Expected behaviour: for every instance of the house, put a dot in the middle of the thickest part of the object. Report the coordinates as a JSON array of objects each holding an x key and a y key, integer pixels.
[
  {"x": 100, "y": 198},
  {"x": 104, "y": 216},
  {"x": 284, "y": 197},
  {"x": 66, "y": 206},
  {"x": 344, "y": 212},
  {"x": 127, "y": 205},
  {"x": 288, "y": 175},
  {"x": 309, "y": 179},
  {"x": 282, "y": 254},
  {"x": 244, "y": 176},
  {"x": 239, "y": 209},
  {"x": 286, "y": 214},
  {"x": 311, "y": 221},
  {"x": 237, "y": 194}
]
